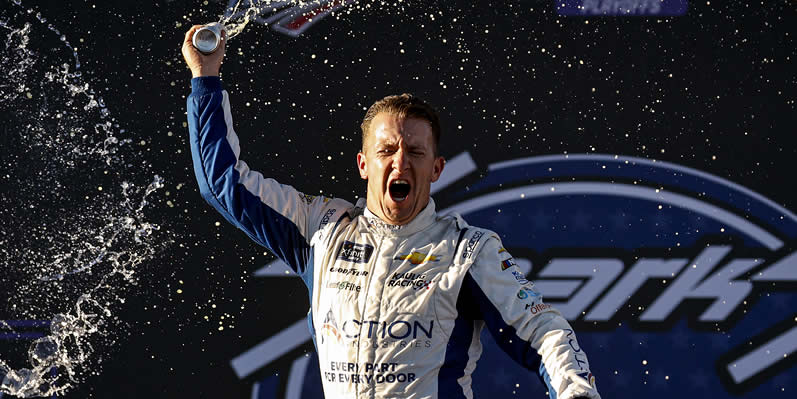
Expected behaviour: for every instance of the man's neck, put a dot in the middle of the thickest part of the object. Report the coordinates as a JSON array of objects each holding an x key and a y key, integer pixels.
[{"x": 384, "y": 219}]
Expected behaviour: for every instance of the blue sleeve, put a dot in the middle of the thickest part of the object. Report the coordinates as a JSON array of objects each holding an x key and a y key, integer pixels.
[{"x": 274, "y": 215}]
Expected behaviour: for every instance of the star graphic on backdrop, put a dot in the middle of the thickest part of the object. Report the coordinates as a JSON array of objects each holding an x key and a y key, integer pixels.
[
  {"x": 658, "y": 380},
  {"x": 720, "y": 341},
  {"x": 541, "y": 220},
  {"x": 580, "y": 220},
  {"x": 621, "y": 379},
  {"x": 699, "y": 379},
  {"x": 781, "y": 302},
  {"x": 620, "y": 221},
  {"x": 502, "y": 220},
  {"x": 639, "y": 340},
  {"x": 661, "y": 222},
  {"x": 698, "y": 221},
  {"x": 600, "y": 340},
  {"x": 680, "y": 337},
  {"x": 783, "y": 381}
]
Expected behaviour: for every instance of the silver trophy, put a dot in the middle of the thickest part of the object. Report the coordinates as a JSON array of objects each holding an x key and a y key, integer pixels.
[{"x": 207, "y": 38}]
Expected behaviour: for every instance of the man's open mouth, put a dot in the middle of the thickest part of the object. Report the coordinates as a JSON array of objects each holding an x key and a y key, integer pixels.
[{"x": 399, "y": 190}]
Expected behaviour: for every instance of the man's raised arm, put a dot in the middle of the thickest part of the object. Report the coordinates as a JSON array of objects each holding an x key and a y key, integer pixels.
[{"x": 274, "y": 215}]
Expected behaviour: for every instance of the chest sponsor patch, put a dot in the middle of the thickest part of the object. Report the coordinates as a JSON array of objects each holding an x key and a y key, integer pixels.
[
  {"x": 355, "y": 253},
  {"x": 417, "y": 258},
  {"x": 348, "y": 272},
  {"x": 414, "y": 280},
  {"x": 344, "y": 286},
  {"x": 329, "y": 329}
]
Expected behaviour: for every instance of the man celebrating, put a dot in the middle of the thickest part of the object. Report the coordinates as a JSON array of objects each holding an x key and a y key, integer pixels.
[{"x": 398, "y": 294}]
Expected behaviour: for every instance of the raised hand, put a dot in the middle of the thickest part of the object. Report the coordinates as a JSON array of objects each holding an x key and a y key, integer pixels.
[{"x": 201, "y": 64}]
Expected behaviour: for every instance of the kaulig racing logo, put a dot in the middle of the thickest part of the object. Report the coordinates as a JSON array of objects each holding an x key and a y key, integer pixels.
[{"x": 676, "y": 281}]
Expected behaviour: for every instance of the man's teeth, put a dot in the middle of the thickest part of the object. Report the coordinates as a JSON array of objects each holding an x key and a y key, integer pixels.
[{"x": 400, "y": 181}]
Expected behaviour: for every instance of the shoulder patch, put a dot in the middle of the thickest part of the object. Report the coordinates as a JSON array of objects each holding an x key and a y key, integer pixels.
[
  {"x": 307, "y": 198},
  {"x": 506, "y": 264},
  {"x": 327, "y": 216},
  {"x": 471, "y": 246}
]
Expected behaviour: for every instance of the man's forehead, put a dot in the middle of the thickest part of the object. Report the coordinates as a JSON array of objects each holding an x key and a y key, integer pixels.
[{"x": 390, "y": 128}]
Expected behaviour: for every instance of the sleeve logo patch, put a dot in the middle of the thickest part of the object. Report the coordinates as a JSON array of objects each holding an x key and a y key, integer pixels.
[
  {"x": 507, "y": 264},
  {"x": 520, "y": 277},
  {"x": 468, "y": 252},
  {"x": 589, "y": 377},
  {"x": 527, "y": 292}
]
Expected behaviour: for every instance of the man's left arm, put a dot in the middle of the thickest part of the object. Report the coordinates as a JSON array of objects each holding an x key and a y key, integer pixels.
[{"x": 529, "y": 330}]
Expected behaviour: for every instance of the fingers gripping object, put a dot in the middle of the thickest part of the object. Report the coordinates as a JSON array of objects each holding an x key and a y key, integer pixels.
[{"x": 207, "y": 38}]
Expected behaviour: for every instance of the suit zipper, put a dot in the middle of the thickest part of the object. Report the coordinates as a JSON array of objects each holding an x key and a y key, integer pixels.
[{"x": 362, "y": 311}]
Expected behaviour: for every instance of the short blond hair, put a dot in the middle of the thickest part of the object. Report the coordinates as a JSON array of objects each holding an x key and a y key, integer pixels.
[{"x": 405, "y": 106}]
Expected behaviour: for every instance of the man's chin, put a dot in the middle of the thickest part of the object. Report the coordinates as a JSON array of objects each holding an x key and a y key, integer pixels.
[{"x": 399, "y": 214}]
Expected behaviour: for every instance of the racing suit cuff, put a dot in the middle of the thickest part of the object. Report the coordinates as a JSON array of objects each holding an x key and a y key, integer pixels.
[{"x": 205, "y": 85}]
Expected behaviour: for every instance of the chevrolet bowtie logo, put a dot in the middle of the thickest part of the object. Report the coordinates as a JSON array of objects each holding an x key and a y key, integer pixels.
[{"x": 416, "y": 258}]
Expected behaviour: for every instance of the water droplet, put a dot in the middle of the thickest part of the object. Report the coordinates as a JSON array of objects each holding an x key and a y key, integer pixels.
[{"x": 42, "y": 352}]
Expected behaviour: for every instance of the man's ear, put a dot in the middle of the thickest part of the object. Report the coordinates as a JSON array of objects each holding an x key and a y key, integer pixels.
[
  {"x": 362, "y": 165},
  {"x": 439, "y": 164}
]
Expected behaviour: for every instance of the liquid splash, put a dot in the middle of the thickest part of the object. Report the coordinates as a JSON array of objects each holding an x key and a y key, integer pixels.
[
  {"x": 239, "y": 13},
  {"x": 73, "y": 196}
]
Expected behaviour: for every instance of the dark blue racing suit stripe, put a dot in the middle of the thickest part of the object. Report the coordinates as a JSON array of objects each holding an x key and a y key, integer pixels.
[
  {"x": 308, "y": 281},
  {"x": 219, "y": 181},
  {"x": 456, "y": 359},
  {"x": 504, "y": 334}
]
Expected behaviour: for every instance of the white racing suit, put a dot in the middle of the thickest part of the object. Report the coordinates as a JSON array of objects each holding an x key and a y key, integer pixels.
[{"x": 396, "y": 311}]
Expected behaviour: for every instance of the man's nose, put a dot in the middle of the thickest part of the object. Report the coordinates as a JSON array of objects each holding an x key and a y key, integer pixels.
[{"x": 400, "y": 161}]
